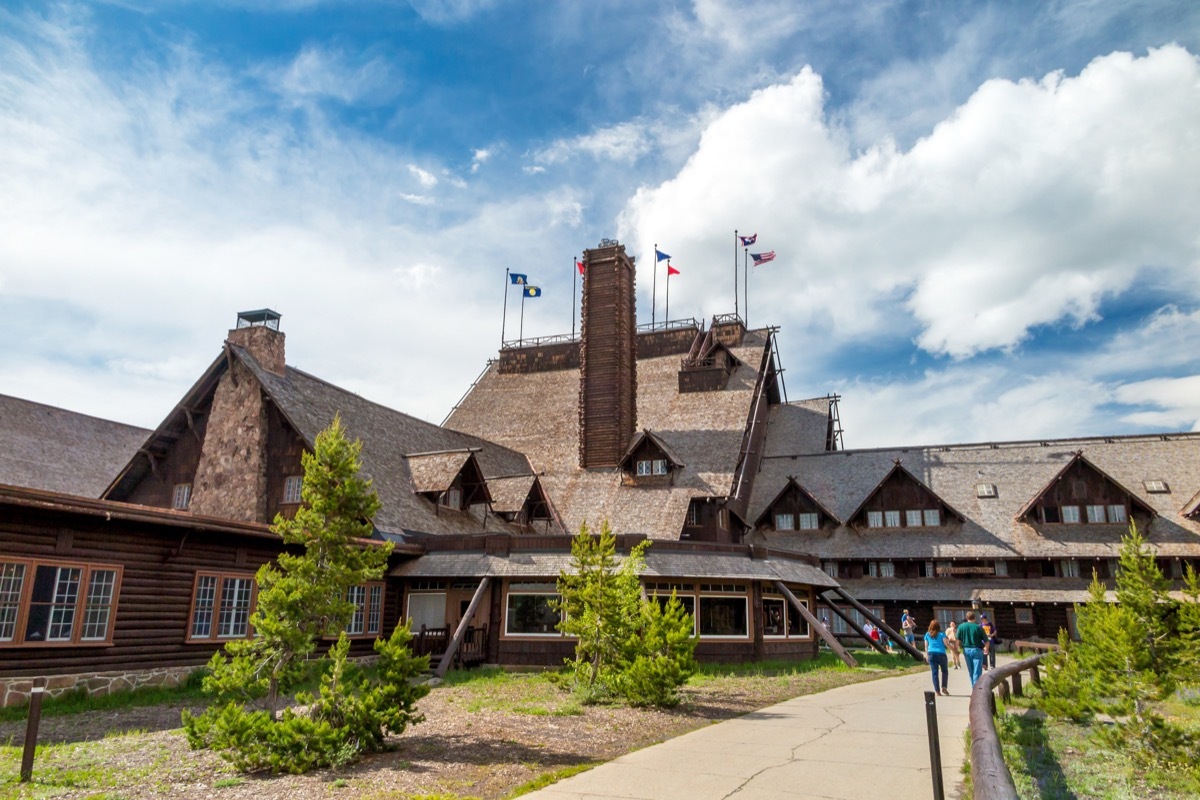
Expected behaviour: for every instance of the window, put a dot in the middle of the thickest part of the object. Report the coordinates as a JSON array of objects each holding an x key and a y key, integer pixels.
[
  {"x": 529, "y": 610},
  {"x": 957, "y": 614},
  {"x": 367, "y": 600},
  {"x": 1001, "y": 568},
  {"x": 660, "y": 466},
  {"x": 830, "y": 568},
  {"x": 874, "y": 519},
  {"x": 933, "y": 517},
  {"x": 881, "y": 569},
  {"x": 1069, "y": 567},
  {"x": 985, "y": 490},
  {"x": 808, "y": 522},
  {"x": 693, "y": 514},
  {"x": 785, "y": 522},
  {"x": 774, "y": 618},
  {"x": 723, "y": 617},
  {"x": 1095, "y": 513},
  {"x": 221, "y": 606},
  {"x": 292, "y": 486},
  {"x": 929, "y": 573},
  {"x": 663, "y": 596},
  {"x": 1024, "y": 616},
  {"x": 840, "y": 628},
  {"x": 1070, "y": 514},
  {"x": 57, "y": 603},
  {"x": 891, "y": 519},
  {"x": 643, "y": 468},
  {"x": 1116, "y": 513},
  {"x": 181, "y": 497},
  {"x": 1157, "y": 487},
  {"x": 912, "y": 518},
  {"x": 656, "y": 466},
  {"x": 798, "y": 625},
  {"x": 452, "y": 497}
]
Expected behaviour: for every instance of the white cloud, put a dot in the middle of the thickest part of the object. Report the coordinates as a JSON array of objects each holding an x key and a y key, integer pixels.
[
  {"x": 1177, "y": 402},
  {"x": 625, "y": 141},
  {"x": 1027, "y": 207},
  {"x": 450, "y": 12},
  {"x": 320, "y": 73},
  {"x": 424, "y": 177}
]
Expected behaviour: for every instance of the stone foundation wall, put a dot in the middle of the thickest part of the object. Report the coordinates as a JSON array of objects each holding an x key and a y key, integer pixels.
[{"x": 16, "y": 691}]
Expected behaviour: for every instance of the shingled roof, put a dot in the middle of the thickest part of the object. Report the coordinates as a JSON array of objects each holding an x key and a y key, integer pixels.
[
  {"x": 309, "y": 404},
  {"x": 538, "y": 414},
  {"x": 44, "y": 447},
  {"x": 991, "y": 530}
]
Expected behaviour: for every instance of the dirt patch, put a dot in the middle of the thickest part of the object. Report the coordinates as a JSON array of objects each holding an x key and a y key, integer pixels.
[{"x": 476, "y": 741}]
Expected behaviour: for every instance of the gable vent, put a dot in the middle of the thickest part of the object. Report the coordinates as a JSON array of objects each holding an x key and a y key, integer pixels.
[
  {"x": 1157, "y": 487},
  {"x": 985, "y": 490}
]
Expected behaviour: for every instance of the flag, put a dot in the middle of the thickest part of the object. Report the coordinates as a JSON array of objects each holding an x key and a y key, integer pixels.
[
  {"x": 660, "y": 255},
  {"x": 531, "y": 291},
  {"x": 517, "y": 277},
  {"x": 579, "y": 266},
  {"x": 762, "y": 258},
  {"x": 749, "y": 240},
  {"x": 671, "y": 270}
]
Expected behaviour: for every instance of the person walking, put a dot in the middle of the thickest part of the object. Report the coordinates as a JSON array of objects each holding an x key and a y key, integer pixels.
[
  {"x": 993, "y": 638},
  {"x": 909, "y": 626},
  {"x": 952, "y": 645},
  {"x": 971, "y": 637},
  {"x": 935, "y": 654}
]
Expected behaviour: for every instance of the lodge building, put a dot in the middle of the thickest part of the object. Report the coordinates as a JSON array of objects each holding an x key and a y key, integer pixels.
[{"x": 128, "y": 556}]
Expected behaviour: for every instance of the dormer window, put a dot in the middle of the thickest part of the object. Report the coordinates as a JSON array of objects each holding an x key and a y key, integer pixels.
[
  {"x": 648, "y": 458},
  {"x": 901, "y": 501},
  {"x": 449, "y": 478},
  {"x": 1081, "y": 493},
  {"x": 655, "y": 466},
  {"x": 794, "y": 509},
  {"x": 785, "y": 522},
  {"x": 452, "y": 498},
  {"x": 181, "y": 497},
  {"x": 292, "y": 486}
]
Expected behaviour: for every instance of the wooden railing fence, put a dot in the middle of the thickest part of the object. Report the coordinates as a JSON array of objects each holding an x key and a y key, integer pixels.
[{"x": 989, "y": 774}]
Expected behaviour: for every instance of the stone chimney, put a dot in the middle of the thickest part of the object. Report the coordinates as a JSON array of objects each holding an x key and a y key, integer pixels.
[
  {"x": 258, "y": 332},
  {"x": 608, "y": 356},
  {"x": 231, "y": 478}
]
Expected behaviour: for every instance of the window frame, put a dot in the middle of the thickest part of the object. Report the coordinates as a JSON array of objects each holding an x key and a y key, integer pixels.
[
  {"x": 372, "y": 606},
  {"x": 184, "y": 489},
  {"x": 527, "y": 590},
  {"x": 221, "y": 576},
  {"x": 782, "y": 517},
  {"x": 23, "y": 602},
  {"x": 293, "y": 497},
  {"x": 839, "y": 626},
  {"x": 1020, "y": 612}
]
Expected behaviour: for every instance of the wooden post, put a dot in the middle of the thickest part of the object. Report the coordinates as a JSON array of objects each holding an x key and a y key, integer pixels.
[
  {"x": 1017, "y": 689},
  {"x": 856, "y": 627},
  {"x": 895, "y": 637},
  {"x": 31, "y": 732},
  {"x": 461, "y": 630},
  {"x": 816, "y": 625},
  {"x": 1035, "y": 675},
  {"x": 935, "y": 746}
]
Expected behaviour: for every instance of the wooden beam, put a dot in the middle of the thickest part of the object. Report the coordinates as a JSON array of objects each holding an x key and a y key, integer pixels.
[
  {"x": 461, "y": 630},
  {"x": 856, "y": 627},
  {"x": 816, "y": 625},
  {"x": 895, "y": 637}
]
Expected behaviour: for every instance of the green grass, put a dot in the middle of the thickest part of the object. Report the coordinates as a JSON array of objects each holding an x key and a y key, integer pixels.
[
  {"x": 78, "y": 702},
  {"x": 538, "y": 694},
  {"x": 76, "y": 769},
  {"x": 547, "y": 778},
  {"x": 225, "y": 783},
  {"x": 1052, "y": 759},
  {"x": 867, "y": 659}
]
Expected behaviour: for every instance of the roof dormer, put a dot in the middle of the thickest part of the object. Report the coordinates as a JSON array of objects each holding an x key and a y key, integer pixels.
[
  {"x": 650, "y": 460},
  {"x": 901, "y": 501},
  {"x": 521, "y": 500},
  {"x": 708, "y": 365},
  {"x": 449, "y": 479},
  {"x": 795, "y": 509},
  {"x": 1083, "y": 493}
]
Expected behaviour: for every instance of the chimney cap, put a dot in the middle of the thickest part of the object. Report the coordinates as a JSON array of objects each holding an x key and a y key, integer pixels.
[{"x": 261, "y": 318}]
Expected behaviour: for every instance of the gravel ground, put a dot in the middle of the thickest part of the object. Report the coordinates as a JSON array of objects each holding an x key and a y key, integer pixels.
[{"x": 478, "y": 740}]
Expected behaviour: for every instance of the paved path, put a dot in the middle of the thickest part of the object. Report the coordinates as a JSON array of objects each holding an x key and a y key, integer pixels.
[{"x": 862, "y": 742}]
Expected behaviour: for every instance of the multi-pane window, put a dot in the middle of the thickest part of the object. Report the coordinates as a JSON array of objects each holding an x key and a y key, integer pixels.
[
  {"x": 933, "y": 517},
  {"x": 452, "y": 497},
  {"x": 910, "y": 518},
  {"x": 840, "y": 628},
  {"x": 1095, "y": 513},
  {"x": 830, "y": 568},
  {"x": 292, "y": 489},
  {"x": 221, "y": 606},
  {"x": 881, "y": 569},
  {"x": 652, "y": 466},
  {"x": 1024, "y": 616},
  {"x": 1070, "y": 514},
  {"x": 181, "y": 497},
  {"x": 693, "y": 514},
  {"x": 808, "y": 522},
  {"x": 1116, "y": 513},
  {"x": 874, "y": 519},
  {"x": 781, "y": 619},
  {"x": 367, "y": 600},
  {"x": 891, "y": 519},
  {"x": 52, "y": 603},
  {"x": 723, "y": 616},
  {"x": 1001, "y": 568},
  {"x": 1069, "y": 567},
  {"x": 785, "y": 522}
]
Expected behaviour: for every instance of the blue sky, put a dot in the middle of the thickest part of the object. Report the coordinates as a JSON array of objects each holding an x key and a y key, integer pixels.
[{"x": 984, "y": 214}]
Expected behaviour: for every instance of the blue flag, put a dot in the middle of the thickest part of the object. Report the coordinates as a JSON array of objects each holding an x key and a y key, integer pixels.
[
  {"x": 661, "y": 256},
  {"x": 749, "y": 240},
  {"x": 517, "y": 277},
  {"x": 531, "y": 291}
]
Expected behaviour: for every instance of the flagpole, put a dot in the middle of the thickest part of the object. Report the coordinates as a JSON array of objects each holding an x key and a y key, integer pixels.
[
  {"x": 504, "y": 314},
  {"x": 667, "y": 312},
  {"x": 521, "y": 329},
  {"x": 735, "y": 291},
  {"x": 574, "y": 277},
  {"x": 654, "y": 286},
  {"x": 746, "y": 281}
]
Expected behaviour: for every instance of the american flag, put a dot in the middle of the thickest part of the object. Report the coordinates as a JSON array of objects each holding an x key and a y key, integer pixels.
[{"x": 762, "y": 258}]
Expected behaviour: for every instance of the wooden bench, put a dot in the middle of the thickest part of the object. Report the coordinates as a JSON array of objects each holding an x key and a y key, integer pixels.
[{"x": 1044, "y": 647}]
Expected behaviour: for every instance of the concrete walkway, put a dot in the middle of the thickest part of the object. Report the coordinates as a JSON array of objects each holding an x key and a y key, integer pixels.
[{"x": 862, "y": 742}]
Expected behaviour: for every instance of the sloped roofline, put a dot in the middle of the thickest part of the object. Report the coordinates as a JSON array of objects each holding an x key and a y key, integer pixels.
[
  {"x": 657, "y": 441},
  {"x": 791, "y": 481},
  {"x": 1192, "y": 506},
  {"x": 900, "y": 467},
  {"x": 1079, "y": 456}
]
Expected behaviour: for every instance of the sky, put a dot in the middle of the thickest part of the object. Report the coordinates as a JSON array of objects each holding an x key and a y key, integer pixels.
[{"x": 984, "y": 214}]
